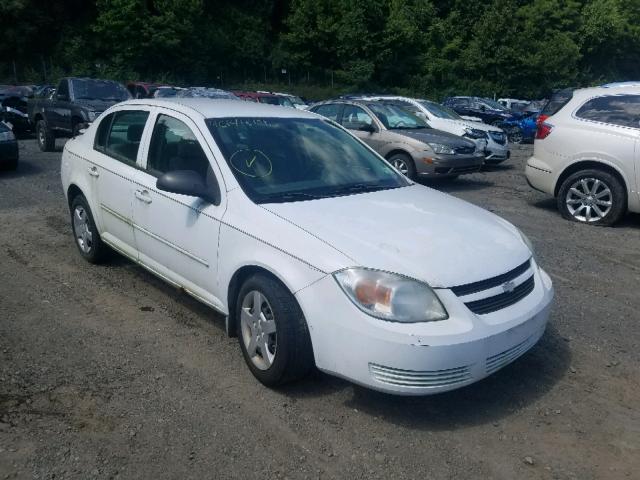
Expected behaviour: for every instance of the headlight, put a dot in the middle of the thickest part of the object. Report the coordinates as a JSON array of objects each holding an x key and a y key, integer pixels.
[
  {"x": 474, "y": 133},
  {"x": 92, "y": 116},
  {"x": 389, "y": 296},
  {"x": 442, "y": 149}
]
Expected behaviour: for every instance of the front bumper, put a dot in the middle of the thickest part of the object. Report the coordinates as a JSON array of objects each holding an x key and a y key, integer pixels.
[
  {"x": 448, "y": 165},
  {"x": 421, "y": 358}
]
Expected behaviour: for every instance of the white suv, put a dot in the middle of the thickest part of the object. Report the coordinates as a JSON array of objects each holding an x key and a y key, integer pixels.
[
  {"x": 587, "y": 154},
  {"x": 318, "y": 252}
]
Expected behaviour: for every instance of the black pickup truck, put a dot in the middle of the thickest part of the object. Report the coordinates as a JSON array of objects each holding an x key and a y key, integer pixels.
[{"x": 75, "y": 102}]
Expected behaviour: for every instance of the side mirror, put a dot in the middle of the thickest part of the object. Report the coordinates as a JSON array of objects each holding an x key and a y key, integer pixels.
[
  {"x": 188, "y": 182},
  {"x": 367, "y": 127}
]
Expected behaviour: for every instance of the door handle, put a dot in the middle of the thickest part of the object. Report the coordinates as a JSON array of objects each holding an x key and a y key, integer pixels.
[
  {"x": 143, "y": 195},
  {"x": 93, "y": 171}
]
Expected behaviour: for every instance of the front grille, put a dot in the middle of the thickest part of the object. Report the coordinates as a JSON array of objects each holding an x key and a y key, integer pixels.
[
  {"x": 465, "y": 150},
  {"x": 496, "y": 362},
  {"x": 475, "y": 287},
  {"x": 498, "y": 137},
  {"x": 410, "y": 378},
  {"x": 502, "y": 300},
  {"x": 457, "y": 170}
]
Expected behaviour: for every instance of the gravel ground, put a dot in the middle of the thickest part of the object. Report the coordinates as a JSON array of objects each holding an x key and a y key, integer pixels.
[{"x": 106, "y": 372}]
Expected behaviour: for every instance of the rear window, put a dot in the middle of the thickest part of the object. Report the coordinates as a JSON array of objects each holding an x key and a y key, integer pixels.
[
  {"x": 558, "y": 100},
  {"x": 622, "y": 110}
]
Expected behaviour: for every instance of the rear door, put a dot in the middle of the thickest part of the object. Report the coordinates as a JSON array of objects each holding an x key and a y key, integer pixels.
[
  {"x": 177, "y": 235},
  {"x": 114, "y": 169}
]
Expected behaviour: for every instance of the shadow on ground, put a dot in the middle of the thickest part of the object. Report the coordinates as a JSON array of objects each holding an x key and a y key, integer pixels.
[{"x": 488, "y": 401}]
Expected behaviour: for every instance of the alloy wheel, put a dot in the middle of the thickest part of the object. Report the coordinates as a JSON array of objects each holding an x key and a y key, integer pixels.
[
  {"x": 258, "y": 329},
  {"x": 81, "y": 229},
  {"x": 401, "y": 165},
  {"x": 589, "y": 200}
]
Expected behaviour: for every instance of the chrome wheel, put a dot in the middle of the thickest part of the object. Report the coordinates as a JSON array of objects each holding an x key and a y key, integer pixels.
[
  {"x": 589, "y": 200},
  {"x": 516, "y": 136},
  {"x": 81, "y": 229},
  {"x": 258, "y": 328},
  {"x": 41, "y": 138},
  {"x": 401, "y": 165}
]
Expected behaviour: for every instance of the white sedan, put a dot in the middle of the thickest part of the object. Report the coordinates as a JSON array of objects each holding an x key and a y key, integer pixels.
[{"x": 315, "y": 249}]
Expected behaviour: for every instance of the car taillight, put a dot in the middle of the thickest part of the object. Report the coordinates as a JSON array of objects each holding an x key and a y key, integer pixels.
[
  {"x": 541, "y": 118},
  {"x": 543, "y": 130}
]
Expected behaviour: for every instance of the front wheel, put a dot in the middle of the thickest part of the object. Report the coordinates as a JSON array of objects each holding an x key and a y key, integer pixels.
[
  {"x": 404, "y": 164},
  {"x": 46, "y": 138},
  {"x": 272, "y": 332},
  {"x": 594, "y": 197}
]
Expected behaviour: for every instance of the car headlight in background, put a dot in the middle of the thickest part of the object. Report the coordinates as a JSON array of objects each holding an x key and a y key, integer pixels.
[
  {"x": 474, "y": 133},
  {"x": 442, "y": 149},
  {"x": 389, "y": 296}
]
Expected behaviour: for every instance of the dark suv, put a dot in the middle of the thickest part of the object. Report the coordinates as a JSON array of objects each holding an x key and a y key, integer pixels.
[
  {"x": 489, "y": 111},
  {"x": 76, "y": 102}
]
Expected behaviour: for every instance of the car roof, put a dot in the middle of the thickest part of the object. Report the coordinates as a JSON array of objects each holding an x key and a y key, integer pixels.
[
  {"x": 607, "y": 90},
  {"x": 220, "y": 108}
]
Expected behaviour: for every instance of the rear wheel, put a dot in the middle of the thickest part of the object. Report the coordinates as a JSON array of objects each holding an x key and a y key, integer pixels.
[
  {"x": 272, "y": 331},
  {"x": 404, "y": 163},
  {"x": 515, "y": 135},
  {"x": 46, "y": 138},
  {"x": 85, "y": 233},
  {"x": 594, "y": 197}
]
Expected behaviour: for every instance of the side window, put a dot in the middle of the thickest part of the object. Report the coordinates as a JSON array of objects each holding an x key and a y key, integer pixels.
[
  {"x": 123, "y": 140},
  {"x": 622, "y": 110},
  {"x": 102, "y": 132},
  {"x": 329, "y": 111},
  {"x": 461, "y": 102},
  {"x": 175, "y": 147},
  {"x": 355, "y": 118},
  {"x": 63, "y": 89}
]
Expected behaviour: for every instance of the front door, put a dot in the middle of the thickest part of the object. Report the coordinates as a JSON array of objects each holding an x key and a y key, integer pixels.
[
  {"x": 362, "y": 125},
  {"x": 177, "y": 235},
  {"x": 117, "y": 144}
]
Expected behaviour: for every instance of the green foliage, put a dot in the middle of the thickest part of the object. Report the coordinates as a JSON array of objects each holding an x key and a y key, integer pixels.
[{"x": 423, "y": 47}]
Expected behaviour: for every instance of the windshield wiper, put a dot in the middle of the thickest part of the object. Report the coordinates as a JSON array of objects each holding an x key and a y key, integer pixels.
[
  {"x": 357, "y": 188},
  {"x": 288, "y": 197}
]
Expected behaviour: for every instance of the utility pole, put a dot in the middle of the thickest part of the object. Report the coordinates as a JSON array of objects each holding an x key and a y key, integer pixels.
[{"x": 15, "y": 73}]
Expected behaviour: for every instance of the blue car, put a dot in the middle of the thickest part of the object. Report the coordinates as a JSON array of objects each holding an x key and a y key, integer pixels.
[{"x": 521, "y": 130}]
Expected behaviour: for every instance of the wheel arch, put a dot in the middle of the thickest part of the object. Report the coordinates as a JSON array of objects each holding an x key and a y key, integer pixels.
[
  {"x": 236, "y": 281},
  {"x": 397, "y": 151},
  {"x": 590, "y": 165},
  {"x": 72, "y": 192}
]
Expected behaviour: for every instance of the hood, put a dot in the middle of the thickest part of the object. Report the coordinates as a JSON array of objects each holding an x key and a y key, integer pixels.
[
  {"x": 432, "y": 135},
  {"x": 471, "y": 124},
  {"x": 415, "y": 231},
  {"x": 97, "y": 105}
]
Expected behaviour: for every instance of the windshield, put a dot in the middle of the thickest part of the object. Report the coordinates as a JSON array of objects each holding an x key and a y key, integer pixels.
[
  {"x": 296, "y": 100},
  {"x": 294, "y": 159},
  {"x": 439, "y": 111},
  {"x": 99, "y": 90},
  {"x": 394, "y": 117},
  {"x": 493, "y": 104},
  {"x": 164, "y": 92}
]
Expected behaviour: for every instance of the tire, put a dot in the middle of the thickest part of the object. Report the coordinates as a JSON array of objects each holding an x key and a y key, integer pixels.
[
  {"x": 45, "y": 136},
  {"x": 85, "y": 233},
  {"x": 289, "y": 355},
  {"x": 404, "y": 163},
  {"x": 515, "y": 135},
  {"x": 603, "y": 204}
]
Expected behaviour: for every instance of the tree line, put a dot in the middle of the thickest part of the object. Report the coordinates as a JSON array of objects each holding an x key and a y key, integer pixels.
[{"x": 425, "y": 47}]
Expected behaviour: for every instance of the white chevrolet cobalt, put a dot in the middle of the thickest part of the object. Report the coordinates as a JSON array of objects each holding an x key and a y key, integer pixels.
[{"x": 315, "y": 249}]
